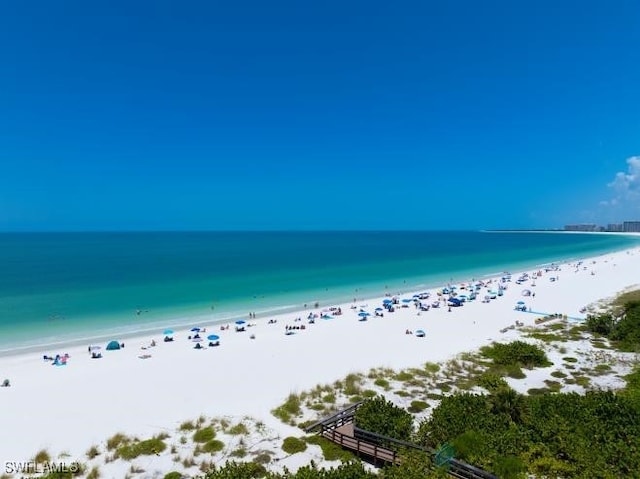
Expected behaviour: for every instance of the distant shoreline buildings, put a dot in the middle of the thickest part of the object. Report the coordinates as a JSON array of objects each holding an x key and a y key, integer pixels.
[{"x": 624, "y": 227}]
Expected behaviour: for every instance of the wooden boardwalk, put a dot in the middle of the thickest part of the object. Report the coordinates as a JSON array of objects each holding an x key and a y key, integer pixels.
[
  {"x": 345, "y": 436},
  {"x": 381, "y": 450}
]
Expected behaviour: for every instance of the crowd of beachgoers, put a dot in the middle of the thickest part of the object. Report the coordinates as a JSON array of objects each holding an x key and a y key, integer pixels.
[{"x": 246, "y": 367}]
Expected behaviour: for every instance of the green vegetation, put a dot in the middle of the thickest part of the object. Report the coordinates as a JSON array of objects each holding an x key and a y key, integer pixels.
[
  {"x": 383, "y": 417},
  {"x": 516, "y": 353},
  {"x": 42, "y": 456},
  {"x": 116, "y": 440},
  {"x": 290, "y": 409},
  {"x": 173, "y": 475},
  {"x": 548, "y": 435},
  {"x": 293, "y": 445},
  {"x": 621, "y": 326},
  {"x": 492, "y": 381},
  {"x": 330, "y": 450},
  {"x": 133, "y": 449},
  {"x": 212, "y": 446},
  {"x": 204, "y": 435},
  {"x": 93, "y": 452},
  {"x": 417, "y": 406},
  {"x": 238, "y": 430}
]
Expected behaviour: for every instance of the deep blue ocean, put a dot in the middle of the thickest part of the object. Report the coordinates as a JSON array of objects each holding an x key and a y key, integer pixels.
[{"x": 61, "y": 286}]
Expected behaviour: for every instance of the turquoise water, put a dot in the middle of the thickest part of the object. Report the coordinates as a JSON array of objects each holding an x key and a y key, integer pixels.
[{"x": 61, "y": 286}]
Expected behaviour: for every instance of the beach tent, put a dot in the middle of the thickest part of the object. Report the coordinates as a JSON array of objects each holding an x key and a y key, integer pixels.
[
  {"x": 420, "y": 333},
  {"x": 113, "y": 345}
]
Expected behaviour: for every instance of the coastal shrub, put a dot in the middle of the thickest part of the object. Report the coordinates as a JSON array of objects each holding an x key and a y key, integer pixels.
[
  {"x": 417, "y": 406},
  {"x": 383, "y": 417},
  {"x": 115, "y": 441},
  {"x": 212, "y": 446},
  {"x": 330, "y": 450},
  {"x": 187, "y": 426},
  {"x": 369, "y": 393},
  {"x": 621, "y": 325},
  {"x": 238, "y": 429},
  {"x": 42, "y": 456},
  {"x": 94, "y": 473},
  {"x": 492, "y": 381},
  {"x": 352, "y": 384},
  {"x": 432, "y": 367},
  {"x": 516, "y": 353},
  {"x": 237, "y": 470},
  {"x": 263, "y": 458},
  {"x": 558, "y": 374},
  {"x": 569, "y": 359},
  {"x": 173, "y": 475},
  {"x": 239, "y": 452},
  {"x": 293, "y": 445},
  {"x": 203, "y": 435},
  {"x": 383, "y": 383},
  {"x": 141, "y": 448},
  {"x": 548, "y": 435},
  {"x": 93, "y": 452},
  {"x": 291, "y": 407}
]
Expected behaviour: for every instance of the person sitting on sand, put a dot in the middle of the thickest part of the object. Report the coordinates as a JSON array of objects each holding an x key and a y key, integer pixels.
[{"x": 6, "y": 383}]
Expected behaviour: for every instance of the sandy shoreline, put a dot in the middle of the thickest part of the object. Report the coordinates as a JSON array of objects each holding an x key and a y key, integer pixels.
[{"x": 69, "y": 408}]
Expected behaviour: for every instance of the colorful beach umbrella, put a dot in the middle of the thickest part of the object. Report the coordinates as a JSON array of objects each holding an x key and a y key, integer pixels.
[
  {"x": 363, "y": 314},
  {"x": 387, "y": 301},
  {"x": 213, "y": 337},
  {"x": 241, "y": 321},
  {"x": 167, "y": 332}
]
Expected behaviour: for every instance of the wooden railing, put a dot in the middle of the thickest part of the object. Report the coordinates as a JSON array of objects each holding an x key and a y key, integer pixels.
[
  {"x": 382, "y": 449},
  {"x": 343, "y": 416}
]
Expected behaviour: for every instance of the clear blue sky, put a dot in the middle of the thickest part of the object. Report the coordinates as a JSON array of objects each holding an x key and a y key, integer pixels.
[{"x": 313, "y": 115}]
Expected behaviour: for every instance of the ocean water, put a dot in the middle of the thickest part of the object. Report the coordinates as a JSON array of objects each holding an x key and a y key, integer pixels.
[{"x": 57, "y": 287}]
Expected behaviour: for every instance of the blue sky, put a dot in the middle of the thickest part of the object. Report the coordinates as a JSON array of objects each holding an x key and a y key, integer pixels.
[{"x": 314, "y": 115}]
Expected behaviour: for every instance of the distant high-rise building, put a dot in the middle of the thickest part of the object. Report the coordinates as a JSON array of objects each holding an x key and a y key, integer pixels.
[
  {"x": 582, "y": 227},
  {"x": 615, "y": 227},
  {"x": 631, "y": 226}
]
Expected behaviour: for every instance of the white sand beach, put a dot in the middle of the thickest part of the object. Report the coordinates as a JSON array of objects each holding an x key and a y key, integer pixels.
[{"x": 70, "y": 408}]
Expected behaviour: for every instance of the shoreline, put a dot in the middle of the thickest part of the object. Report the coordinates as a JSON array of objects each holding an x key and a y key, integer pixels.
[
  {"x": 275, "y": 310},
  {"x": 94, "y": 399}
]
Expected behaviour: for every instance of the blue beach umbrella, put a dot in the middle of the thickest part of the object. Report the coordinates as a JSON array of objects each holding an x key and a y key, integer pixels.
[
  {"x": 363, "y": 314},
  {"x": 520, "y": 302},
  {"x": 241, "y": 321},
  {"x": 213, "y": 337},
  {"x": 168, "y": 332},
  {"x": 379, "y": 309},
  {"x": 387, "y": 301},
  {"x": 407, "y": 300},
  {"x": 195, "y": 330}
]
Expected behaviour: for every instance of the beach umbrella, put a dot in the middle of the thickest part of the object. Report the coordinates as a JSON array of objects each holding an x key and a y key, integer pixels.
[
  {"x": 420, "y": 333},
  {"x": 363, "y": 314},
  {"x": 213, "y": 337},
  {"x": 241, "y": 321},
  {"x": 520, "y": 302},
  {"x": 407, "y": 300},
  {"x": 95, "y": 348},
  {"x": 168, "y": 332},
  {"x": 379, "y": 309},
  {"x": 196, "y": 340},
  {"x": 195, "y": 330},
  {"x": 387, "y": 301}
]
